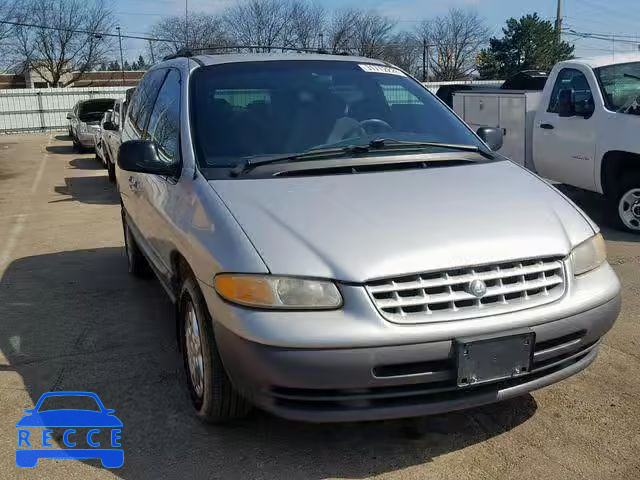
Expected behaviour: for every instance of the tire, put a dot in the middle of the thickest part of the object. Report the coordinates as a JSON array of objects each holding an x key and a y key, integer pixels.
[
  {"x": 213, "y": 396},
  {"x": 623, "y": 204},
  {"x": 137, "y": 263},
  {"x": 111, "y": 169}
]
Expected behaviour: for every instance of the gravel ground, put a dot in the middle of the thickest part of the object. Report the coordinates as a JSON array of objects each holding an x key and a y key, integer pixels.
[{"x": 72, "y": 319}]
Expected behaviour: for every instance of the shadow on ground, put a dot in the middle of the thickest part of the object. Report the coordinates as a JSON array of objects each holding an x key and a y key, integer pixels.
[
  {"x": 61, "y": 149},
  {"x": 593, "y": 205},
  {"x": 86, "y": 163},
  {"x": 63, "y": 137},
  {"x": 92, "y": 190},
  {"x": 77, "y": 321}
]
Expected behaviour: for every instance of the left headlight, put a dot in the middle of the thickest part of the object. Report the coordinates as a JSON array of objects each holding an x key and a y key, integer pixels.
[
  {"x": 274, "y": 292},
  {"x": 588, "y": 255},
  {"x": 82, "y": 127}
]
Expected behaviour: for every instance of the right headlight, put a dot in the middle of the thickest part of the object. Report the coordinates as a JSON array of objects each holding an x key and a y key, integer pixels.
[
  {"x": 588, "y": 255},
  {"x": 82, "y": 127}
]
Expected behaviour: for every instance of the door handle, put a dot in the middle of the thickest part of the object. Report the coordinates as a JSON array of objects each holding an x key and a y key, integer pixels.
[
  {"x": 546, "y": 126},
  {"x": 134, "y": 184}
]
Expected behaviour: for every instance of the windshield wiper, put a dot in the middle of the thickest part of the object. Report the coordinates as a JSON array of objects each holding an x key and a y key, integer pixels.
[
  {"x": 377, "y": 144},
  {"x": 629, "y": 75}
]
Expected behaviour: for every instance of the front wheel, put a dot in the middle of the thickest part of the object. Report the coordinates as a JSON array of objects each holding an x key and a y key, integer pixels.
[
  {"x": 624, "y": 205},
  {"x": 136, "y": 261},
  {"x": 111, "y": 169},
  {"x": 212, "y": 394}
]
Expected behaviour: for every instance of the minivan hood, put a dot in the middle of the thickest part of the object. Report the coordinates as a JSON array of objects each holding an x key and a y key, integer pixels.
[{"x": 359, "y": 227}]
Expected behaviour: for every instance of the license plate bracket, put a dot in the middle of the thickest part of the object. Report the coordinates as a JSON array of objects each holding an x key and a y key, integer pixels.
[{"x": 491, "y": 359}]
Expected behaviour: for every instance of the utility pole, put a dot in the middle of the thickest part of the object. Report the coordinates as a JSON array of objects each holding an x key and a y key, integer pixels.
[
  {"x": 559, "y": 23},
  {"x": 121, "y": 58},
  {"x": 424, "y": 59},
  {"x": 186, "y": 23}
]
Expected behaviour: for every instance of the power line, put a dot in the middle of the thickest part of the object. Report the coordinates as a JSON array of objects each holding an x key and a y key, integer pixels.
[{"x": 86, "y": 32}]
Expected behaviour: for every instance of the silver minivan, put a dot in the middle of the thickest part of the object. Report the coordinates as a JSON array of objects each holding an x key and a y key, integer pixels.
[{"x": 341, "y": 246}]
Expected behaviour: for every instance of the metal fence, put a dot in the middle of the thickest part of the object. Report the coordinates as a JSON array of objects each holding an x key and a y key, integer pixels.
[{"x": 40, "y": 109}]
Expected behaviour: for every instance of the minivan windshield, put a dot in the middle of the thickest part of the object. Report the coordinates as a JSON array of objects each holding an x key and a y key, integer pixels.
[
  {"x": 253, "y": 109},
  {"x": 621, "y": 87},
  {"x": 92, "y": 110}
]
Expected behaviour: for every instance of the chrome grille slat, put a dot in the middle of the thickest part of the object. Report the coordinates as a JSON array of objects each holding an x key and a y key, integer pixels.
[
  {"x": 440, "y": 282},
  {"x": 440, "y": 296}
]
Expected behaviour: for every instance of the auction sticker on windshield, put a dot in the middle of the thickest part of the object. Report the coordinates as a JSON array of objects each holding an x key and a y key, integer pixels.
[{"x": 367, "y": 67}]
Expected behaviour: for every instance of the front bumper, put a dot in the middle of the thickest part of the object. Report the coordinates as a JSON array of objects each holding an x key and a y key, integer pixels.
[
  {"x": 332, "y": 385},
  {"x": 358, "y": 366}
]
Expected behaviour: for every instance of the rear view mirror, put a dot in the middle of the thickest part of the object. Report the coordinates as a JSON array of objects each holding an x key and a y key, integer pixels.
[
  {"x": 491, "y": 136},
  {"x": 141, "y": 156},
  {"x": 566, "y": 103}
]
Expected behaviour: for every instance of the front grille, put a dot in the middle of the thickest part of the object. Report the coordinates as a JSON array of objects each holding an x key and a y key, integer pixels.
[{"x": 445, "y": 295}]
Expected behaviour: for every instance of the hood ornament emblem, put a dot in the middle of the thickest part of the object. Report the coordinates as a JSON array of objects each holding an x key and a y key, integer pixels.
[{"x": 477, "y": 288}]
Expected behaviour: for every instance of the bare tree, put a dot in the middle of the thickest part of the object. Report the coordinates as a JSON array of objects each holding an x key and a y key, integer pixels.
[
  {"x": 72, "y": 44},
  {"x": 405, "y": 51},
  {"x": 200, "y": 30},
  {"x": 307, "y": 24},
  {"x": 457, "y": 38},
  {"x": 341, "y": 30},
  {"x": 267, "y": 23},
  {"x": 360, "y": 32}
]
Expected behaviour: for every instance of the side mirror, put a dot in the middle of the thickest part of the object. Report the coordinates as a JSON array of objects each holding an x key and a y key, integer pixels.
[
  {"x": 109, "y": 125},
  {"x": 584, "y": 107},
  {"x": 69, "y": 116},
  {"x": 566, "y": 103},
  {"x": 141, "y": 156},
  {"x": 491, "y": 136}
]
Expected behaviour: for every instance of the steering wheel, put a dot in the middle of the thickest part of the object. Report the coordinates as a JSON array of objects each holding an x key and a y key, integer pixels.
[{"x": 368, "y": 127}]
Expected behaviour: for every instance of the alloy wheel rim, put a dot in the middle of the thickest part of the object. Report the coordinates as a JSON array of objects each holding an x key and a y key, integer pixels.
[
  {"x": 629, "y": 209},
  {"x": 193, "y": 346}
]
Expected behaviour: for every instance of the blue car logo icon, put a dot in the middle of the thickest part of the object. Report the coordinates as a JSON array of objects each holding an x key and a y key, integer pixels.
[{"x": 27, "y": 457}]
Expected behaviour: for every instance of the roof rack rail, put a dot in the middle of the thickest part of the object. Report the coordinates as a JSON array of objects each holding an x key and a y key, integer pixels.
[{"x": 190, "y": 52}]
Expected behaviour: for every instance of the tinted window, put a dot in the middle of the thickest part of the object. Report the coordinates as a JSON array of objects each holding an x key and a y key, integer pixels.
[
  {"x": 570, "y": 79},
  {"x": 164, "y": 124},
  {"x": 280, "y": 107},
  {"x": 144, "y": 97}
]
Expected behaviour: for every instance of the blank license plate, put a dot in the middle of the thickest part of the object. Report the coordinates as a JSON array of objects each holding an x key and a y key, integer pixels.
[{"x": 491, "y": 359}]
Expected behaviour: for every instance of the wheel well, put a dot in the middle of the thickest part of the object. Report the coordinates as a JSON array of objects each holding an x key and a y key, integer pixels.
[
  {"x": 180, "y": 270},
  {"x": 616, "y": 165}
]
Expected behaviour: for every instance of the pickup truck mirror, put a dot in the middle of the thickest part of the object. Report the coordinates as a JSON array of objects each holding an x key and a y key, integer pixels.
[
  {"x": 566, "y": 103},
  {"x": 142, "y": 156},
  {"x": 584, "y": 108},
  {"x": 491, "y": 136}
]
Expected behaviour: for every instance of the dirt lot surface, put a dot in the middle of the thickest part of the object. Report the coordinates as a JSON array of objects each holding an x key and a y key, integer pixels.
[{"x": 71, "y": 318}]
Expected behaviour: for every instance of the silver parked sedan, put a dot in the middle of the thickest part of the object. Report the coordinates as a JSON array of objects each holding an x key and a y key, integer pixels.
[
  {"x": 84, "y": 121},
  {"x": 340, "y": 246}
]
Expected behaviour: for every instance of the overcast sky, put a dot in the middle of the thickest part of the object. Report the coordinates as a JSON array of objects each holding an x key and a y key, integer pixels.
[{"x": 621, "y": 17}]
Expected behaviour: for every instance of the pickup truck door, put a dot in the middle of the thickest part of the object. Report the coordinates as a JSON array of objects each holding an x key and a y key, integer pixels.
[{"x": 564, "y": 147}]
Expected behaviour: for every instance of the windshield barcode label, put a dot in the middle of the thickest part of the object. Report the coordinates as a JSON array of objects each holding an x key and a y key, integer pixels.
[{"x": 367, "y": 67}]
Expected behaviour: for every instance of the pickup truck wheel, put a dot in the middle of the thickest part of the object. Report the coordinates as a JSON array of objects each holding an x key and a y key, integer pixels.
[
  {"x": 111, "y": 169},
  {"x": 136, "y": 261},
  {"x": 625, "y": 205},
  {"x": 212, "y": 394}
]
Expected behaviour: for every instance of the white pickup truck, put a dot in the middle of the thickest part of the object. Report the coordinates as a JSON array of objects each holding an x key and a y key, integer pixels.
[{"x": 582, "y": 130}]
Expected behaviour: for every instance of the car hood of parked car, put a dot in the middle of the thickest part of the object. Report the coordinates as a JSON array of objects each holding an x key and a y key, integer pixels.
[{"x": 360, "y": 227}]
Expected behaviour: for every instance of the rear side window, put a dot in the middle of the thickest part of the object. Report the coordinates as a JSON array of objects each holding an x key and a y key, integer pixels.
[
  {"x": 164, "y": 123},
  {"x": 144, "y": 97},
  {"x": 570, "y": 79}
]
